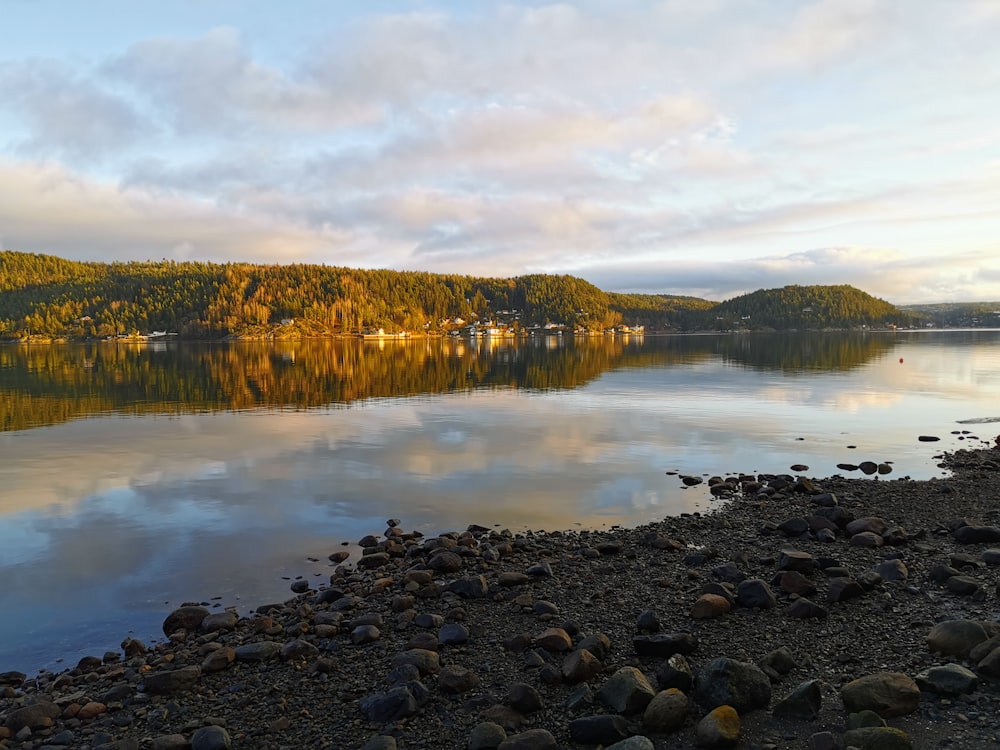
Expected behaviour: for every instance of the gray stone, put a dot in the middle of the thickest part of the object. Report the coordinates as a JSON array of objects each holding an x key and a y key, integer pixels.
[
  {"x": 888, "y": 694},
  {"x": 486, "y": 735},
  {"x": 259, "y": 651},
  {"x": 380, "y": 742},
  {"x": 298, "y": 649},
  {"x": 445, "y": 562},
  {"x": 219, "y": 621},
  {"x": 950, "y": 679},
  {"x": 453, "y": 634},
  {"x": 722, "y": 682},
  {"x": 211, "y": 738},
  {"x": 396, "y": 704},
  {"x": 426, "y": 661},
  {"x": 364, "y": 634},
  {"x": 171, "y": 681},
  {"x": 892, "y": 570},
  {"x": 627, "y": 691},
  {"x": 456, "y": 679}
]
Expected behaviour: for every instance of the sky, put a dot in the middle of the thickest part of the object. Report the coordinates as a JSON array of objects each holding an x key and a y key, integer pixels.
[{"x": 708, "y": 148}]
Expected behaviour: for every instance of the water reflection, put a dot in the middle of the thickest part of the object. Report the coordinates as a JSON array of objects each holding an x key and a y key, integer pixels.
[
  {"x": 42, "y": 385},
  {"x": 132, "y": 480}
]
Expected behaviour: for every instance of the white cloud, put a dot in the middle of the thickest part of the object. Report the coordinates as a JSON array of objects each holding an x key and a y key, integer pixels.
[{"x": 523, "y": 137}]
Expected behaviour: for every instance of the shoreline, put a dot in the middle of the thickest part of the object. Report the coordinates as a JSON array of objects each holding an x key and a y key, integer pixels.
[{"x": 470, "y": 623}]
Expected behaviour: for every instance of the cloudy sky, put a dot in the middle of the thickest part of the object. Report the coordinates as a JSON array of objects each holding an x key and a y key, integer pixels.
[{"x": 708, "y": 148}]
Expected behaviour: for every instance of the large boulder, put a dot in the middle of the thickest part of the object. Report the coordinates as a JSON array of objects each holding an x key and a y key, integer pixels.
[
  {"x": 728, "y": 682},
  {"x": 886, "y": 693}
]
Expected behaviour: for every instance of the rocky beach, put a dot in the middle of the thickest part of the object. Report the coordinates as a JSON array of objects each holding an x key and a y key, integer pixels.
[{"x": 802, "y": 613}]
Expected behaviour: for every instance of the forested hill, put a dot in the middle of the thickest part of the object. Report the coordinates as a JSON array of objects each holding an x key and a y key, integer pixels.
[
  {"x": 810, "y": 307},
  {"x": 44, "y": 296}
]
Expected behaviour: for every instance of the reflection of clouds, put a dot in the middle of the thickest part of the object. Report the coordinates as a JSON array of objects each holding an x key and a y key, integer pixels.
[{"x": 112, "y": 517}]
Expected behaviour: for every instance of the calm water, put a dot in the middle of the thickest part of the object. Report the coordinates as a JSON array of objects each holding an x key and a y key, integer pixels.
[{"x": 135, "y": 477}]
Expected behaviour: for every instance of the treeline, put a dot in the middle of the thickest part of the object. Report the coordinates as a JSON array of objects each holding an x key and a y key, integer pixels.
[
  {"x": 959, "y": 314},
  {"x": 45, "y": 296}
]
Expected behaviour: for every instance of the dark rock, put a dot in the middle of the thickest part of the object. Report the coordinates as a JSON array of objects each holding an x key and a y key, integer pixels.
[
  {"x": 976, "y": 534},
  {"x": 804, "y": 702},
  {"x": 675, "y": 672},
  {"x": 600, "y": 729},
  {"x": 665, "y": 644},
  {"x": 396, "y": 704},
  {"x": 803, "y": 609},
  {"x": 39, "y": 715},
  {"x": 754, "y": 593},
  {"x": 801, "y": 562},
  {"x": 184, "y": 618},
  {"x": 259, "y": 651},
  {"x": 471, "y": 587},
  {"x": 956, "y": 637},
  {"x": 453, "y": 634},
  {"x": 524, "y": 698},
  {"x": 843, "y": 589},
  {"x": 647, "y": 622},
  {"x": 486, "y": 735},
  {"x": 963, "y": 585},
  {"x": 627, "y": 691},
  {"x": 724, "y": 681}
]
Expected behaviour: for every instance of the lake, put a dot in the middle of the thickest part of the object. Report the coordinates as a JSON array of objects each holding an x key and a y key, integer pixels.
[{"x": 137, "y": 476}]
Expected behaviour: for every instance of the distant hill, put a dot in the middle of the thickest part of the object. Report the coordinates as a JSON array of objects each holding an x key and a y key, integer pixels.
[
  {"x": 808, "y": 307},
  {"x": 42, "y": 296},
  {"x": 959, "y": 314}
]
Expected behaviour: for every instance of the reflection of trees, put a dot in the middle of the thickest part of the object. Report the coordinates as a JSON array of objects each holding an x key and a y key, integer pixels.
[
  {"x": 42, "y": 385},
  {"x": 51, "y": 384},
  {"x": 797, "y": 352}
]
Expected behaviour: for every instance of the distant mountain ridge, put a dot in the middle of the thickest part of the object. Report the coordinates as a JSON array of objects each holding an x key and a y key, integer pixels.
[{"x": 43, "y": 296}]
